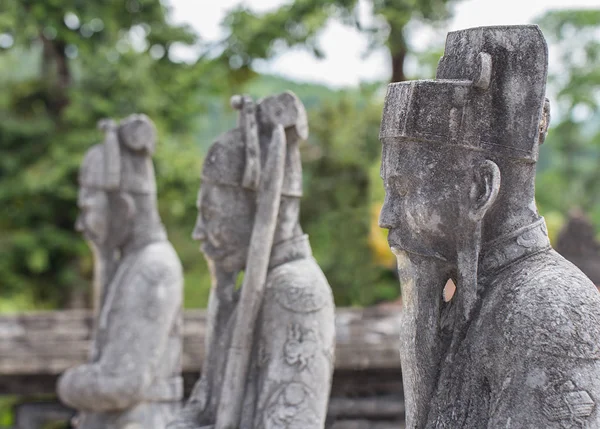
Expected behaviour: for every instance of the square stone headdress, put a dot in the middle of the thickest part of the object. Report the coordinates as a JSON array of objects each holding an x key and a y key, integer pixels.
[
  {"x": 488, "y": 94},
  {"x": 123, "y": 162},
  {"x": 237, "y": 156}
]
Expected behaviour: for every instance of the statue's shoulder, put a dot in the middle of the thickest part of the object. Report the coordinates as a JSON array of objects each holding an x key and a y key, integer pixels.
[
  {"x": 300, "y": 286},
  {"x": 549, "y": 305},
  {"x": 158, "y": 261},
  {"x": 153, "y": 284}
]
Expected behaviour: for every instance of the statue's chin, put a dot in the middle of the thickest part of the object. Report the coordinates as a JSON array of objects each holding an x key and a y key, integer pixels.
[
  {"x": 231, "y": 262},
  {"x": 403, "y": 253},
  {"x": 188, "y": 426},
  {"x": 93, "y": 239}
]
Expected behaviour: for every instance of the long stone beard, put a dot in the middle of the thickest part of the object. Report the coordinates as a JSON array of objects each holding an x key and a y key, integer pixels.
[
  {"x": 220, "y": 316},
  {"x": 106, "y": 264},
  {"x": 433, "y": 330},
  {"x": 422, "y": 282}
]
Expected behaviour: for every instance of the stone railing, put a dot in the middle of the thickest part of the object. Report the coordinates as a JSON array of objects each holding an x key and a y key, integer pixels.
[{"x": 367, "y": 389}]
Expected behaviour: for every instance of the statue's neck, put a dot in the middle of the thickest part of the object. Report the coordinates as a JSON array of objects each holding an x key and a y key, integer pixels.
[
  {"x": 510, "y": 213},
  {"x": 511, "y": 247},
  {"x": 146, "y": 229},
  {"x": 290, "y": 250}
]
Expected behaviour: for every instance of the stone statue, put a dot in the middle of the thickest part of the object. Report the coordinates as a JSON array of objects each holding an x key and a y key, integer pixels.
[
  {"x": 270, "y": 343},
  {"x": 518, "y": 345},
  {"x": 133, "y": 377}
]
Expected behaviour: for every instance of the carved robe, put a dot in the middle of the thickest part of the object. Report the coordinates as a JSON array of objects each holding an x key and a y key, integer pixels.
[
  {"x": 133, "y": 381},
  {"x": 530, "y": 357},
  {"x": 292, "y": 361}
]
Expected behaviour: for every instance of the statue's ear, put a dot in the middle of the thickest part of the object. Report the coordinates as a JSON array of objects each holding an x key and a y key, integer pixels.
[
  {"x": 127, "y": 205},
  {"x": 484, "y": 189},
  {"x": 544, "y": 122}
]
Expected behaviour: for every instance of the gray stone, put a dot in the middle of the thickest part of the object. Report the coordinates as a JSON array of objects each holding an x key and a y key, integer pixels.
[
  {"x": 270, "y": 344},
  {"x": 133, "y": 377},
  {"x": 518, "y": 345}
]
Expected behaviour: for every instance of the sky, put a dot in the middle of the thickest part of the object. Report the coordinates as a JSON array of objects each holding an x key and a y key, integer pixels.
[{"x": 345, "y": 62}]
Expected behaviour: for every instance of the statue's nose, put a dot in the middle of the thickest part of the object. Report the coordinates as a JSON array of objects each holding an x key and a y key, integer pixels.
[
  {"x": 386, "y": 218},
  {"x": 79, "y": 224},
  {"x": 199, "y": 231}
]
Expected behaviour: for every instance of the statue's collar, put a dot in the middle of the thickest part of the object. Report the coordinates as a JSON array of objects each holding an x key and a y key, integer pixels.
[
  {"x": 504, "y": 251},
  {"x": 290, "y": 250}
]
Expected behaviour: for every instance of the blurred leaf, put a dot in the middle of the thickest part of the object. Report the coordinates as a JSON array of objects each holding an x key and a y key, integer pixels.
[{"x": 37, "y": 260}]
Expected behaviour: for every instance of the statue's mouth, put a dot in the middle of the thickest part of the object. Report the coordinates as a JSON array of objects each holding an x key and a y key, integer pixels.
[
  {"x": 400, "y": 250},
  {"x": 212, "y": 252}
]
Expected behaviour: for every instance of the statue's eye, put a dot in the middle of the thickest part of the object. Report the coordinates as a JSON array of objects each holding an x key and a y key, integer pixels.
[
  {"x": 207, "y": 214},
  {"x": 398, "y": 186}
]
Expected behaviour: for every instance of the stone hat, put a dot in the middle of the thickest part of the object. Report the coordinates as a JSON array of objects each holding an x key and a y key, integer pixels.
[
  {"x": 236, "y": 157},
  {"x": 124, "y": 161},
  {"x": 489, "y": 95}
]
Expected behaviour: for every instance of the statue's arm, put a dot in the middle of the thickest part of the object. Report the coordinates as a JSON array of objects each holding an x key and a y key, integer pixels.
[{"x": 139, "y": 326}]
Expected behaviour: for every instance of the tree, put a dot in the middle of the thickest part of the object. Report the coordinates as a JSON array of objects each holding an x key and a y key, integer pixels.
[
  {"x": 259, "y": 36},
  {"x": 64, "y": 65},
  {"x": 336, "y": 209},
  {"x": 569, "y": 175}
]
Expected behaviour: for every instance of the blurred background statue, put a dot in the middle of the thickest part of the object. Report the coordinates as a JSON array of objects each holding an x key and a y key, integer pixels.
[
  {"x": 270, "y": 344},
  {"x": 578, "y": 244},
  {"x": 133, "y": 377}
]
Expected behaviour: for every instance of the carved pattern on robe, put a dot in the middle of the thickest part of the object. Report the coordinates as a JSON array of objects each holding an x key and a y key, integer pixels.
[
  {"x": 290, "y": 408},
  {"x": 301, "y": 345},
  {"x": 302, "y": 298},
  {"x": 565, "y": 403}
]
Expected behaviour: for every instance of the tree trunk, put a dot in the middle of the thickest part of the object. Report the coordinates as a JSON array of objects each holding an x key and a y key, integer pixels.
[
  {"x": 398, "y": 67},
  {"x": 56, "y": 73},
  {"x": 398, "y": 51}
]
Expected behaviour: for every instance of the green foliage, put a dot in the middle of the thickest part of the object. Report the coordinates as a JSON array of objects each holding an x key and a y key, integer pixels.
[
  {"x": 6, "y": 414},
  {"x": 336, "y": 209},
  {"x": 83, "y": 61},
  {"x": 569, "y": 175}
]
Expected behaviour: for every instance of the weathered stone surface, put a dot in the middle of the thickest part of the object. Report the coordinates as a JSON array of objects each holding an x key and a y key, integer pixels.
[
  {"x": 518, "y": 345},
  {"x": 270, "y": 346},
  {"x": 133, "y": 377}
]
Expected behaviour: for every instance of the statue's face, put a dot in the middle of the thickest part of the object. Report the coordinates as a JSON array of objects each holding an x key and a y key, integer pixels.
[
  {"x": 224, "y": 224},
  {"x": 422, "y": 196},
  {"x": 92, "y": 221}
]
